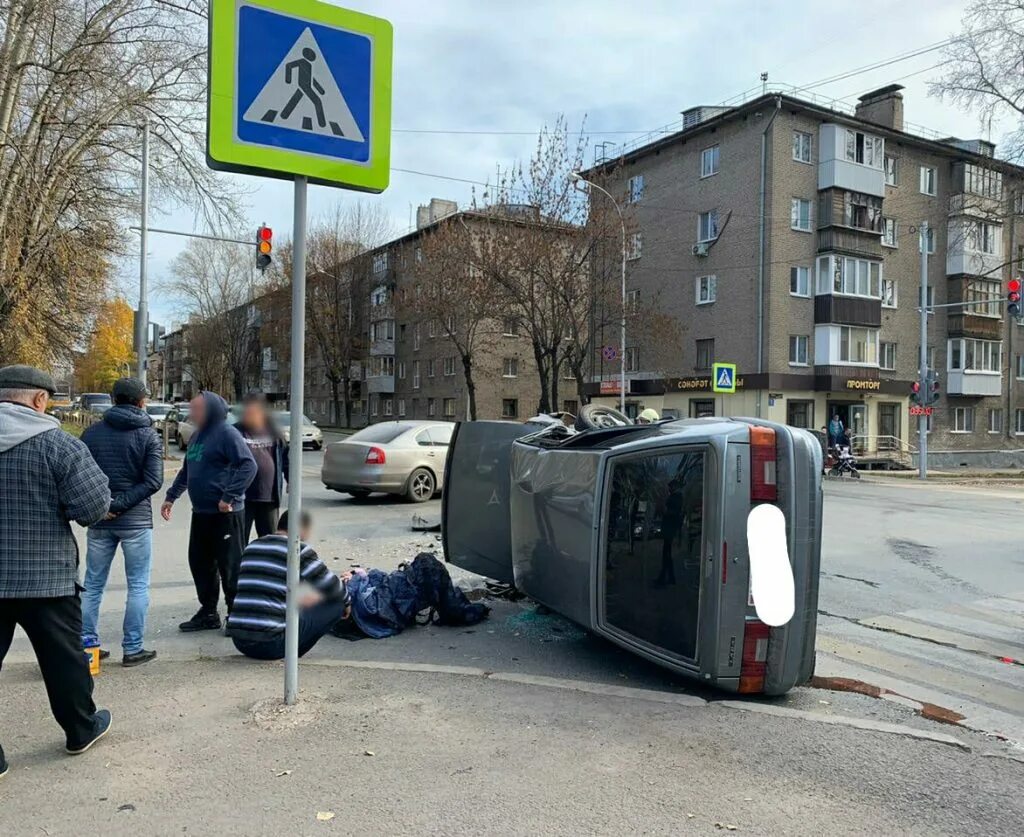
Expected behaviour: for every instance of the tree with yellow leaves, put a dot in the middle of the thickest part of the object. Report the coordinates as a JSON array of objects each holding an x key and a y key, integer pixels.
[{"x": 109, "y": 354}]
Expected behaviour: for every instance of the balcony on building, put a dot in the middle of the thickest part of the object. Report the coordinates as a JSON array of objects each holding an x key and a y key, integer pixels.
[
  {"x": 981, "y": 316},
  {"x": 848, "y": 291},
  {"x": 850, "y": 222},
  {"x": 974, "y": 247},
  {"x": 846, "y": 351},
  {"x": 975, "y": 367},
  {"x": 851, "y": 159},
  {"x": 976, "y": 191},
  {"x": 380, "y": 374}
]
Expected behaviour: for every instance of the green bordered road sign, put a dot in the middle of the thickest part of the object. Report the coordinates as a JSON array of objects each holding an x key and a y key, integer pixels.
[
  {"x": 723, "y": 377},
  {"x": 299, "y": 87}
]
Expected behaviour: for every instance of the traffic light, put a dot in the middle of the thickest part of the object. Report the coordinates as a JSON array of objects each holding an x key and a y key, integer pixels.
[
  {"x": 1013, "y": 298},
  {"x": 932, "y": 394},
  {"x": 915, "y": 392},
  {"x": 264, "y": 246}
]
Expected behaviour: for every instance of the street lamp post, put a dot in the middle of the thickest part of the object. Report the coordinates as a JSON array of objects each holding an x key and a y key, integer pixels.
[{"x": 579, "y": 178}]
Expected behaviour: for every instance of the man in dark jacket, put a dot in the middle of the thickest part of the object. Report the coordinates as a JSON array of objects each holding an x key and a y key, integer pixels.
[
  {"x": 129, "y": 452},
  {"x": 217, "y": 470},
  {"x": 47, "y": 479}
]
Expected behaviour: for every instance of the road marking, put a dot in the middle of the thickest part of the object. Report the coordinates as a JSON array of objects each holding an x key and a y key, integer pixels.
[{"x": 954, "y": 639}]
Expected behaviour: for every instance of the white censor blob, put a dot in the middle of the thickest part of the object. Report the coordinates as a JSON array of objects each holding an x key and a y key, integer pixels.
[{"x": 771, "y": 576}]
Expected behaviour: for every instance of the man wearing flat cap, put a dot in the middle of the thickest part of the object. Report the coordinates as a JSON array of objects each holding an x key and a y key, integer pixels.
[
  {"x": 129, "y": 452},
  {"x": 47, "y": 479}
]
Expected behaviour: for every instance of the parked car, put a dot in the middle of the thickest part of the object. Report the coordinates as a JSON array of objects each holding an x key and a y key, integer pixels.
[
  {"x": 88, "y": 400},
  {"x": 183, "y": 427},
  {"x": 638, "y": 533},
  {"x": 312, "y": 436},
  {"x": 393, "y": 457},
  {"x": 159, "y": 413}
]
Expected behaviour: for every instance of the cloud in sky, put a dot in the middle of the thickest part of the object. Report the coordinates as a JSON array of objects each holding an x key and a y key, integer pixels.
[{"x": 514, "y": 66}]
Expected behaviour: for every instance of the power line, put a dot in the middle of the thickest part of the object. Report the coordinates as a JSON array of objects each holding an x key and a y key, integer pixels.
[{"x": 885, "y": 62}]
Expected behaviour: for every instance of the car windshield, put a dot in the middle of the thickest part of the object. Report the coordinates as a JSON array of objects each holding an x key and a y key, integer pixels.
[
  {"x": 383, "y": 433},
  {"x": 158, "y": 409}
]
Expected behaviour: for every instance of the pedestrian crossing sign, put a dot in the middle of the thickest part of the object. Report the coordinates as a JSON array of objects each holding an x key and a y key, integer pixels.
[
  {"x": 300, "y": 87},
  {"x": 723, "y": 377}
]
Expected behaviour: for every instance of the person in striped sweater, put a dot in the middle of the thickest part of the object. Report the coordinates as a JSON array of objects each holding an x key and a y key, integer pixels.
[{"x": 256, "y": 622}]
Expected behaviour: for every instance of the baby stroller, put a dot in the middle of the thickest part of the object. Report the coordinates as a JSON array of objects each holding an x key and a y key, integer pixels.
[{"x": 843, "y": 462}]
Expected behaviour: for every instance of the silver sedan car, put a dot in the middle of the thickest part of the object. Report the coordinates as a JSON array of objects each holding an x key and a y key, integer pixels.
[{"x": 394, "y": 457}]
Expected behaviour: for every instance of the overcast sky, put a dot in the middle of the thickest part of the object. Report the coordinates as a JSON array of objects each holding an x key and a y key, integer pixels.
[{"x": 514, "y": 65}]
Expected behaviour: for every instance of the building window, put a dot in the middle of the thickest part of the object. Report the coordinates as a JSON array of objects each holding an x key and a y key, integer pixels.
[
  {"x": 415, "y": 374},
  {"x": 987, "y": 296},
  {"x": 449, "y": 366},
  {"x": 889, "y": 293},
  {"x": 510, "y": 327},
  {"x": 636, "y": 188},
  {"x": 887, "y": 355},
  {"x": 401, "y": 407},
  {"x": 510, "y": 367},
  {"x": 374, "y": 405},
  {"x": 707, "y": 225},
  {"x": 983, "y": 182},
  {"x": 963, "y": 419},
  {"x": 849, "y": 276},
  {"x": 401, "y": 370},
  {"x": 798, "y": 349},
  {"x": 984, "y": 238},
  {"x": 800, "y": 414},
  {"x": 431, "y": 328},
  {"x": 449, "y": 324},
  {"x": 863, "y": 212},
  {"x": 930, "y": 240},
  {"x": 892, "y": 171},
  {"x": 430, "y": 368},
  {"x": 995, "y": 421},
  {"x": 927, "y": 180},
  {"x": 702, "y": 407},
  {"x": 864, "y": 149},
  {"x": 930, "y": 358},
  {"x": 509, "y": 408},
  {"x": 1020, "y": 367},
  {"x": 449, "y": 408},
  {"x": 380, "y": 263},
  {"x": 709, "y": 161},
  {"x": 633, "y": 300},
  {"x": 802, "y": 146},
  {"x": 800, "y": 281},
  {"x": 705, "y": 354},
  {"x": 968, "y": 355},
  {"x": 431, "y": 407},
  {"x": 889, "y": 233},
  {"x": 570, "y": 406},
  {"x": 632, "y": 359},
  {"x": 705, "y": 288},
  {"x": 634, "y": 246},
  {"x": 379, "y": 296},
  {"x": 1019, "y": 422},
  {"x": 800, "y": 215},
  {"x": 416, "y": 337},
  {"x": 858, "y": 345},
  {"x": 389, "y": 407}
]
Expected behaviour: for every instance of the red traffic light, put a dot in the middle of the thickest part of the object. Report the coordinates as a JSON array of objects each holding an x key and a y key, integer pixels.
[
  {"x": 1013, "y": 286},
  {"x": 265, "y": 234}
]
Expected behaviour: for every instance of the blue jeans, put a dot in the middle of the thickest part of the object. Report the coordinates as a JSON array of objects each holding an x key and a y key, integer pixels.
[{"x": 137, "y": 547}]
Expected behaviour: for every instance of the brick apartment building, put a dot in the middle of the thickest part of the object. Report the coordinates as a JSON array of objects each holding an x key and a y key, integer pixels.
[{"x": 785, "y": 235}]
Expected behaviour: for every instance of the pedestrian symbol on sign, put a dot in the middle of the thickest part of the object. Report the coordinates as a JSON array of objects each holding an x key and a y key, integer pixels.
[
  {"x": 723, "y": 377},
  {"x": 303, "y": 79}
]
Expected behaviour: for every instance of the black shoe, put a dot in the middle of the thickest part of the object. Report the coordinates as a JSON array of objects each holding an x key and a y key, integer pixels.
[
  {"x": 202, "y": 621},
  {"x": 104, "y": 654},
  {"x": 100, "y": 728},
  {"x": 3, "y": 764},
  {"x": 144, "y": 656}
]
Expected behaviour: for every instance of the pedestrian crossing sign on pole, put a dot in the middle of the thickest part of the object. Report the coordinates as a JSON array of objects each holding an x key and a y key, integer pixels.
[
  {"x": 299, "y": 87},
  {"x": 723, "y": 377}
]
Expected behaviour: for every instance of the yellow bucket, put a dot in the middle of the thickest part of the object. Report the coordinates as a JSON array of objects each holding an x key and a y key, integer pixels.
[{"x": 93, "y": 656}]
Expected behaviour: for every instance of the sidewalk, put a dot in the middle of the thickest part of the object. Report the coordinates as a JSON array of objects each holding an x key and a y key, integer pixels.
[{"x": 205, "y": 747}]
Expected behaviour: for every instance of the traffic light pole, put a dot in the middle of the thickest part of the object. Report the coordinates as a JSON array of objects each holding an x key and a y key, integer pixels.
[
  {"x": 922, "y": 420},
  {"x": 142, "y": 314}
]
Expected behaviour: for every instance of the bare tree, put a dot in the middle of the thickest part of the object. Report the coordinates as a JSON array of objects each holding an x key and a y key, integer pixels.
[{"x": 77, "y": 80}]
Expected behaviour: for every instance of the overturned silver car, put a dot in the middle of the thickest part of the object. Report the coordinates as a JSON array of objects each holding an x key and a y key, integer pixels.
[{"x": 639, "y": 534}]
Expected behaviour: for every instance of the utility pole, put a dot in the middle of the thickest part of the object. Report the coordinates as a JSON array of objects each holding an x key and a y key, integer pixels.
[
  {"x": 922, "y": 420},
  {"x": 142, "y": 314}
]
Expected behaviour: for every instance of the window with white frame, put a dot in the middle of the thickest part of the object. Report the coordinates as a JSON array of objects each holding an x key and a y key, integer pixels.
[
  {"x": 800, "y": 281},
  {"x": 379, "y": 296},
  {"x": 892, "y": 175},
  {"x": 929, "y": 299},
  {"x": 865, "y": 149},
  {"x": 970, "y": 355},
  {"x": 449, "y": 408},
  {"x": 995, "y": 420},
  {"x": 380, "y": 262},
  {"x": 709, "y": 161},
  {"x": 431, "y": 407},
  {"x": 449, "y": 324},
  {"x": 858, "y": 345},
  {"x": 431, "y": 328},
  {"x": 634, "y": 246},
  {"x": 707, "y": 225},
  {"x": 963, "y": 419},
  {"x": 849, "y": 276},
  {"x": 802, "y": 146},
  {"x": 415, "y": 374},
  {"x": 861, "y": 211},
  {"x": 800, "y": 214},
  {"x": 510, "y": 327},
  {"x": 401, "y": 370},
  {"x": 632, "y": 359},
  {"x": 887, "y": 355},
  {"x": 798, "y": 349},
  {"x": 510, "y": 408},
  {"x": 635, "y": 188},
  {"x": 890, "y": 296},
  {"x": 706, "y": 287},
  {"x": 928, "y": 180},
  {"x": 931, "y": 358},
  {"x": 388, "y": 407},
  {"x": 449, "y": 366},
  {"x": 1018, "y": 422},
  {"x": 374, "y": 404},
  {"x": 633, "y": 300},
  {"x": 890, "y": 233},
  {"x": 984, "y": 182},
  {"x": 985, "y": 238},
  {"x": 986, "y": 296},
  {"x": 416, "y": 337},
  {"x": 1019, "y": 365},
  {"x": 510, "y": 367},
  {"x": 401, "y": 406},
  {"x": 930, "y": 236},
  {"x": 430, "y": 368}
]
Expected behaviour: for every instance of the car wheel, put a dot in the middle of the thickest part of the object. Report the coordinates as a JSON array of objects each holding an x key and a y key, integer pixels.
[
  {"x": 359, "y": 495},
  {"x": 421, "y": 486}
]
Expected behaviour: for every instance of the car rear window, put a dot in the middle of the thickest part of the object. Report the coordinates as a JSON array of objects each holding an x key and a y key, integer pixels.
[{"x": 379, "y": 433}]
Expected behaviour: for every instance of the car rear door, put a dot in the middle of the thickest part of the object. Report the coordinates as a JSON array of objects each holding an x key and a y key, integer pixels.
[{"x": 440, "y": 440}]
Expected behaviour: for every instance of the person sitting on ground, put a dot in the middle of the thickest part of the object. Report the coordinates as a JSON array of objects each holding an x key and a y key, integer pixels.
[
  {"x": 648, "y": 416},
  {"x": 256, "y": 622}
]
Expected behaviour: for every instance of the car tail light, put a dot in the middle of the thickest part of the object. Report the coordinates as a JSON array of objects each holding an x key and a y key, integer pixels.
[
  {"x": 755, "y": 656},
  {"x": 375, "y": 456},
  {"x": 762, "y": 465}
]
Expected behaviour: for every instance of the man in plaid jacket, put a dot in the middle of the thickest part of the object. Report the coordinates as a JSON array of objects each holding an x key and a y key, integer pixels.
[{"x": 47, "y": 479}]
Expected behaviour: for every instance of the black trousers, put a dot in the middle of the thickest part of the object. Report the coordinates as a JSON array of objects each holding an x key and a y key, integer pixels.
[
  {"x": 264, "y": 515},
  {"x": 54, "y": 627},
  {"x": 215, "y": 544}
]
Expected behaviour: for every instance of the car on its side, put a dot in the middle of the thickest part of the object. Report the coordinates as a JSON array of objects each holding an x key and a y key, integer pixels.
[
  {"x": 406, "y": 458},
  {"x": 312, "y": 436}
]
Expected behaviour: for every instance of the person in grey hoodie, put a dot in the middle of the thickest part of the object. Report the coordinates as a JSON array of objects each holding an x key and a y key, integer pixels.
[
  {"x": 217, "y": 470},
  {"x": 47, "y": 479}
]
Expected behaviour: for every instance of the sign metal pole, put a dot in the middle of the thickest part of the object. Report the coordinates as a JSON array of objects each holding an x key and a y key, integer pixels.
[
  {"x": 922, "y": 420},
  {"x": 296, "y": 406}
]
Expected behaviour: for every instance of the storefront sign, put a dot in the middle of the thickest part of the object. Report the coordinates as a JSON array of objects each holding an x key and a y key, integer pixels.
[
  {"x": 872, "y": 386},
  {"x": 609, "y": 387},
  {"x": 694, "y": 384}
]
